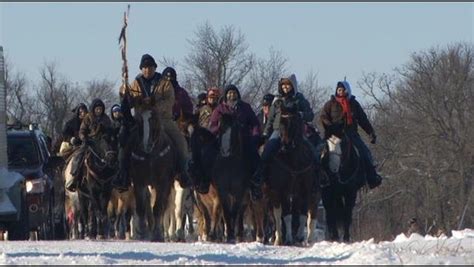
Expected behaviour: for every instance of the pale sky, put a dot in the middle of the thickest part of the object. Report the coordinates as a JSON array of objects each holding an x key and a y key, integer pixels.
[{"x": 333, "y": 39}]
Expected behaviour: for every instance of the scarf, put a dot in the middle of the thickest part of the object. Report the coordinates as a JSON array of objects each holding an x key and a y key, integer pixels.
[{"x": 346, "y": 108}]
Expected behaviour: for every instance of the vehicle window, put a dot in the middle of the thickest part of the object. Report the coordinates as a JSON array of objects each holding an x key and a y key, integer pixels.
[
  {"x": 44, "y": 147},
  {"x": 22, "y": 151}
]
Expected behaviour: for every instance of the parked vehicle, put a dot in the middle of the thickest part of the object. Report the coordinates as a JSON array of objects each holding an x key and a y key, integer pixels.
[{"x": 28, "y": 155}]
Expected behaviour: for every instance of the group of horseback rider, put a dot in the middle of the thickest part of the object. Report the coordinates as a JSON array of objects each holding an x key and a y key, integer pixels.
[{"x": 151, "y": 90}]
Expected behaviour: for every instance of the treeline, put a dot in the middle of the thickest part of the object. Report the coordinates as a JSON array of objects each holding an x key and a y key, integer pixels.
[
  {"x": 424, "y": 117},
  {"x": 422, "y": 113}
]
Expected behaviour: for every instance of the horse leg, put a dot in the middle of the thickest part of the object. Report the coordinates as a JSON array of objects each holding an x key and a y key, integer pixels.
[
  {"x": 162, "y": 195},
  {"x": 288, "y": 219},
  {"x": 300, "y": 207},
  {"x": 103, "y": 222},
  {"x": 189, "y": 210},
  {"x": 228, "y": 220},
  {"x": 258, "y": 217},
  {"x": 178, "y": 211},
  {"x": 139, "y": 223},
  {"x": 312, "y": 218},
  {"x": 349, "y": 200},
  {"x": 277, "y": 218},
  {"x": 329, "y": 202}
]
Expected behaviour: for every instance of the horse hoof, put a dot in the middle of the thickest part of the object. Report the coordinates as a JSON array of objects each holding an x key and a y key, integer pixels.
[
  {"x": 100, "y": 237},
  {"x": 260, "y": 240},
  {"x": 230, "y": 241}
]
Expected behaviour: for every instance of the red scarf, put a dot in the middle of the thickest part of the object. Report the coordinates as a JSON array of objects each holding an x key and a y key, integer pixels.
[{"x": 346, "y": 108}]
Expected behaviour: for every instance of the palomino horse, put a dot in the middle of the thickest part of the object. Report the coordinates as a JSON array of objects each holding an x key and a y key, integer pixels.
[
  {"x": 292, "y": 175},
  {"x": 152, "y": 171},
  {"x": 226, "y": 167},
  {"x": 342, "y": 164}
]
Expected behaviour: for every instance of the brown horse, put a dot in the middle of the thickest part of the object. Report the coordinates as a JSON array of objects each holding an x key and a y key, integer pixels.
[
  {"x": 292, "y": 175},
  {"x": 153, "y": 167}
]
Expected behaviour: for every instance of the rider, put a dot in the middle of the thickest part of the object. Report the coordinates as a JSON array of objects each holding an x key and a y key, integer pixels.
[
  {"x": 70, "y": 134},
  {"x": 151, "y": 90},
  {"x": 183, "y": 103},
  {"x": 289, "y": 97},
  {"x": 95, "y": 123},
  {"x": 343, "y": 113},
  {"x": 201, "y": 101},
  {"x": 262, "y": 116},
  {"x": 206, "y": 110},
  {"x": 243, "y": 112}
]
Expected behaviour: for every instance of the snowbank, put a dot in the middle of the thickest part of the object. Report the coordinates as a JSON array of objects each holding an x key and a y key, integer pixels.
[{"x": 458, "y": 249}]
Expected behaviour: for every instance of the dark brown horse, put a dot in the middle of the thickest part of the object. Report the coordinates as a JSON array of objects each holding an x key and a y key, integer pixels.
[
  {"x": 226, "y": 168},
  {"x": 100, "y": 167},
  {"x": 152, "y": 168},
  {"x": 292, "y": 175}
]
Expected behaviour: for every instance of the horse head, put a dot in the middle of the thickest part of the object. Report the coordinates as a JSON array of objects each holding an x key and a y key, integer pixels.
[
  {"x": 230, "y": 136},
  {"x": 104, "y": 150},
  {"x": 334, "y": 153},
  {"x": 291, "y": 128},
  {"x": 342, "y": 157},
  {"x": 149, "y": 129}
]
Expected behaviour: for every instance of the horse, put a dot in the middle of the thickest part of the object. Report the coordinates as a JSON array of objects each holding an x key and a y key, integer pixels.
[
  {"x": 343, "y": 166},
  {"x": 227, "y": 169},
  {"x": 121, "y": 209},
  {"x": 291, "y": 177},
  {"x": 94, "y": 191},
  {"x": 153, "y": 166}
]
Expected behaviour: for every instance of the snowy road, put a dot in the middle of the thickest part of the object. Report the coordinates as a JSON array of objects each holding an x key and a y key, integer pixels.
[{"x": 458, "y": 249}]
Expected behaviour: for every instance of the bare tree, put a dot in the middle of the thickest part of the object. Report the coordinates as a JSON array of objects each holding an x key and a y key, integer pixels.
[
  {"x": 424, "y": 121},
  {"x": 55, "y": 97},
  {"x": 315, "y": 94},
  {"x": 217, "y": 58},
  {"x": 19, "y": 98},
  {"x": 264, "y": 77},
  {"x": 102, "y": 89}
]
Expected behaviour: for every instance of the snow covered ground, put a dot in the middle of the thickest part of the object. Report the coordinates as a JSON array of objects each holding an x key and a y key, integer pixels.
[{"x": 458, "y": 249}]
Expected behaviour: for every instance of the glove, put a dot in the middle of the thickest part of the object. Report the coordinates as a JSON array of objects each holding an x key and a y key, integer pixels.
[
  {"x": 75, "y": 141},
  {"x": 373, "y": 138}
]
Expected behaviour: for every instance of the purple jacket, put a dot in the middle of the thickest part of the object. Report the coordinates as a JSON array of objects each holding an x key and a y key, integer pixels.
[
  {"x": 182, "y": 102},
  {"x": 245, "y": 115}
]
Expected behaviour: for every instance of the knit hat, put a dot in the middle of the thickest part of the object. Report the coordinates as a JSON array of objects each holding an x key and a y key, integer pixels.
[{"x": 147, "y": 61}]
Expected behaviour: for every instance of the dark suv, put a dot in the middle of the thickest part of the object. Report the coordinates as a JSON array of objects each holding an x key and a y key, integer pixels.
[{"x": 28, "y": 155}]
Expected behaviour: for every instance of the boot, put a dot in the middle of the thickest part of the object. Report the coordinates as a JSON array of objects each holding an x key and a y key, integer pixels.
[
  {"x": 121, "y": 181},
  {"x": 183, "y": 177},
  {"x": 373, "y": 179}
]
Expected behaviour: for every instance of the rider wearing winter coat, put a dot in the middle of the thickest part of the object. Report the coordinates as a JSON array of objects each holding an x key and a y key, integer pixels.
[
  {"x": 233, "y": 104},
  {"x": 94, "y": 124},
  {"x": 289, "y": 98},
  {"x": 152, "y": 91},
  {"x": 343, "y": 113},
  {"x": 70, "y": 133}
]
